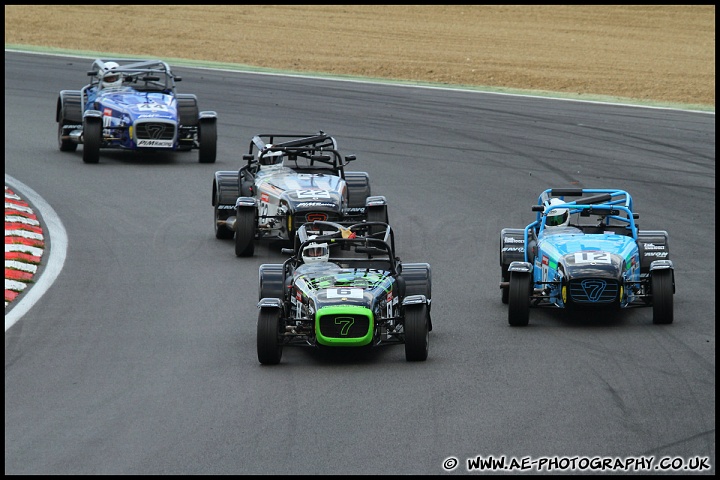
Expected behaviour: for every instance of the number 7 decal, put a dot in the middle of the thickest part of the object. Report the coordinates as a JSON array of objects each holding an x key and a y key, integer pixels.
[{"x": 346, "y": 323}]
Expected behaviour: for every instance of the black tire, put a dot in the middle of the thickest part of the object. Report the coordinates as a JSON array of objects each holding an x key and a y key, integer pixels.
[
  {"x": 418, "y": 279},
  {"x": 68, "y": 113},
  {"x": 188, "y": 111},
  {"x": 519, "y": 299},
  {"x": 505, "y": 278},
  {"x": 269, "y": 348},
  {"x": 245, "y": 232},
  {"x": 65, "y": 145},
  {"x": 377, "y": 214},
  {"x": 662, "y": 296},
  {"x": 207, "y": 137},
  {"x": 92, "y": 139},
  {"x": 221, "y": 231},
  {"x": 296, "y": 244},
  {"x": 417, "y": 333},
  {"x": 358, "y": 185},
  {"x": 272, "y": 281}
]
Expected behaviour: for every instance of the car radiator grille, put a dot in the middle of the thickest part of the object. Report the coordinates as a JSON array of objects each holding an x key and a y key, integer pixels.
[
  {"x": 344, "y": 326},
  {"x": 593, "y": 291},
  {"x": 306, "y": 217},
  {"x": 155, "y": 131}
]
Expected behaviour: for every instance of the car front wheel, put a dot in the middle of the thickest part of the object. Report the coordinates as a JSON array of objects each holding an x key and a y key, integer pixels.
[
  {"x": 417, "y": 336},
  {"x": 245, "y": 232},
  {"x": 208, "y": 141},
  {"x": 519, "y": 299},
  {"x": 92, "y": 139},
  {"x": 269, "y": 349},
  {"x": 662, "y": 296}
]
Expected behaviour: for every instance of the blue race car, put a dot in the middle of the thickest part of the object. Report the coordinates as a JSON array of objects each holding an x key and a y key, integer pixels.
[
  {"x": 133, "y": 105},
  {"x": 584, "y": 250}
]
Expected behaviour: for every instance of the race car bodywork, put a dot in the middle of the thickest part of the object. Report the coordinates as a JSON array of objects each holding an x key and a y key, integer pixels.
[
  {"x": 362, "y": 296},
  {"x": 144, "y": 113},
  {"x": 599, "y": 259},
  {"x": 309, "y": 183}
]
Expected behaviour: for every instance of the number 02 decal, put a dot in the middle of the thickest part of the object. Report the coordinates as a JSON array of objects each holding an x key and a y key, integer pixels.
[{"x": 345, "y": 293}]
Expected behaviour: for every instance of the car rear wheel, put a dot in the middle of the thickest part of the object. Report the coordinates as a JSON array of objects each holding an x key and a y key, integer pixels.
[
  {"x": 662, "y": 296},
  {"x": 68, "y": 113},
  {"x": 417, "y": 336},
  {"x": 272, "y": 281},
  {"x": 207, "y": 133},
  {"x": 505, "y": 277},
  {"x": 269, "y": 349},
  {"x": 245, "y": 232},
  {"x": 92, "y": 138},
  {"x": 377, "y": 214},
  {"x": 221, "y": 231},
  {"x": 64, "y": 144},
  {"x": 519, "y": 299}
]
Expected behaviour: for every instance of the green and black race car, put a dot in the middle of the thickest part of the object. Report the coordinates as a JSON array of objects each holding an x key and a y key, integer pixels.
[{"x": 344, "y": 286}]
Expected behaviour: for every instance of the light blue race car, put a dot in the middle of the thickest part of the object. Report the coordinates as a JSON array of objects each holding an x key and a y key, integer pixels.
[
  {"x": 584, "y": 250},
  {"x": 133, "y": 105}
]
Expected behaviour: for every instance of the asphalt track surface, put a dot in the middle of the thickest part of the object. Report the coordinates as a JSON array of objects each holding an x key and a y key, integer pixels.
[{"x": 140, "y": 358}]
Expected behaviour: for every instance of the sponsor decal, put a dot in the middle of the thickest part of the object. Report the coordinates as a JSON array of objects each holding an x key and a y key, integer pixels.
[
  {"x": 107, "y": 112},
  {"x": 149, "y": 115},
  {"x": 545, "y": 260},
  {"x": 656, "y": 254},
  {"x": 226, "y": 207},
  {"x": 265, "y": 197},
  {"x": 155, "y": 143},
  {"x": 389, "y": 297},
  {"x": 652, "y": 246},
  {"x": 513, "y": 240},
  {"x": 513, "y": 249},
  {"x": 355, "y": 210},
  {"x": 314, "y": 204}
]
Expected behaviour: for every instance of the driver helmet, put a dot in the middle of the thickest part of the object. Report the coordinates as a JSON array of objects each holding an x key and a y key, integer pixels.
[
  {"x": 556, "y": 217},
  {"x": 268, "y": 157},
  {"x": 316, "y": 253},
  {"x": 111, "y": 78}
]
